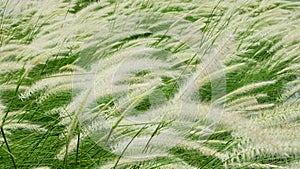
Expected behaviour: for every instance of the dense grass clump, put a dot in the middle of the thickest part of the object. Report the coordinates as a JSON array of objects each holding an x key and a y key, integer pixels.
[{"x": 149, "y": 84}]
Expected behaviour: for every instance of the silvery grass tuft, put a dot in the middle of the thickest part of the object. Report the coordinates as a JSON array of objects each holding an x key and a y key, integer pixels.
[{"x": 149, "y": 84}]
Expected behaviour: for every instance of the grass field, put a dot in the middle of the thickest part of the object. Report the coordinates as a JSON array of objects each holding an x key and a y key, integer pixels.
[{"x": 150, "y": 84}]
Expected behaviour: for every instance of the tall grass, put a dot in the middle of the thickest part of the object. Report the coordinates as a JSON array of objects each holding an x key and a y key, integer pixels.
[{"x": 149, "y": 84}]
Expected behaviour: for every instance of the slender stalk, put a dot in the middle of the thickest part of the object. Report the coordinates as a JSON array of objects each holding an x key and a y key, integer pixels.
[
  {"x": 73, "y": 125},
  {"x": 8, "y": 148},
  {"x": 77, "y": 148},
  {"x": 128, "y": 145},
  {"x": 4, "y": 120},
  {"x": 1, "y": 23}
]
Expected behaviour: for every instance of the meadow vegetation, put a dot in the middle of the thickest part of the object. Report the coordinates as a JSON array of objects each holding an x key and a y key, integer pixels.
[{"x": 150, "y": 84}]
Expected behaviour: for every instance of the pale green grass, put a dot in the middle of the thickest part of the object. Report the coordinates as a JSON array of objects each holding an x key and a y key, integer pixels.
[{"x": 149, "y": 84}]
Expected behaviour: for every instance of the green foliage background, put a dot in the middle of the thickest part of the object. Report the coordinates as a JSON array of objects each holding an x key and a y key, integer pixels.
[{"x": 49, "y": 49}]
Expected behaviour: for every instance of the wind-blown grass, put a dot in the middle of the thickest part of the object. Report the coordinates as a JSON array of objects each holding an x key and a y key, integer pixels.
[{"x": 149, "y": 84}]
